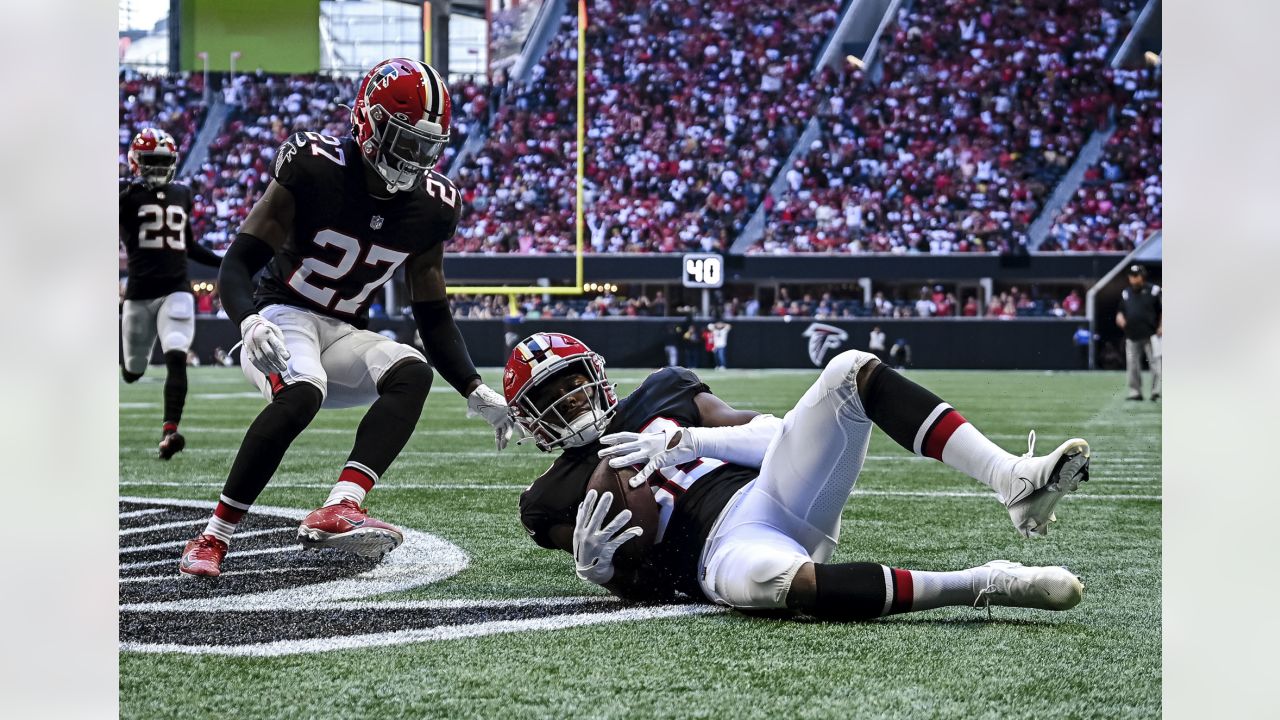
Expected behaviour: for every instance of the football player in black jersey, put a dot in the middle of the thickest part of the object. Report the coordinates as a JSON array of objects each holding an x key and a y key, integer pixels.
[
  {"x": 155, "y": 228},
  {"x": 750, "y": 504},
  {"x": 340, "y": 216}
]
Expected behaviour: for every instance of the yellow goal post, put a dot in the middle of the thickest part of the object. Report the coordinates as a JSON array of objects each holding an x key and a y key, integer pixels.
[{"x": 512, "y": 291}]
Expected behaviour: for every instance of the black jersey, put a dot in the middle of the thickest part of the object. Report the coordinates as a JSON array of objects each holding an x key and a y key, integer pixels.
[
  {"x": 154, "y": 230},
  {"x": 690, "y": 497},
  {"x": 345, "y": 243}
]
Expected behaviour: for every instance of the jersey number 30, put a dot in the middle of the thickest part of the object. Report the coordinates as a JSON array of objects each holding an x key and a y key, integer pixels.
[{"x": 303, "y": 280}]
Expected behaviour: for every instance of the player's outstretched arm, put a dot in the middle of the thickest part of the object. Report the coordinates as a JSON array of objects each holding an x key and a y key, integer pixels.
[
  {"x": 199, "y": 253},
  {"x": 444, "y": 344},
  {"x": 737, "y": 436}
]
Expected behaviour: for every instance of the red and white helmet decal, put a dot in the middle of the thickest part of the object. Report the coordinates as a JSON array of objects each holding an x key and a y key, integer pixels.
[{"x": 401, "y": 120}]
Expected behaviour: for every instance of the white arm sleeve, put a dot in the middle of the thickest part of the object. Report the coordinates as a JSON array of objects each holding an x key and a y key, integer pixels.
[{"x": 738, "y": 444}]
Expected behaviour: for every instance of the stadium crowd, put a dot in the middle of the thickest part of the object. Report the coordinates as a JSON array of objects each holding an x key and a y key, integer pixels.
[
  {"x": 979, "y": 112},
  {"x": 1120, "y": 200},
  {"x": 975, "y": 114},
  {"x": 692, "y": 109},
  {"x": 173, "y": 103}
]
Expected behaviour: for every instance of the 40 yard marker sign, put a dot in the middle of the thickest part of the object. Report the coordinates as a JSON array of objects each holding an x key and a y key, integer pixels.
[{"x": 276, "y": 599}]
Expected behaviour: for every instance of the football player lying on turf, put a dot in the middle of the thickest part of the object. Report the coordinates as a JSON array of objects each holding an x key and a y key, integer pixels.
[{"x": 749, "y": 505}]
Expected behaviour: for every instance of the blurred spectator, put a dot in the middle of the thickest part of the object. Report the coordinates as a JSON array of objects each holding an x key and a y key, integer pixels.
[
  {"x": 720, "y": 342},
  {"x": 1072, "y": 304},
  {"x": 875, "y": 342}
]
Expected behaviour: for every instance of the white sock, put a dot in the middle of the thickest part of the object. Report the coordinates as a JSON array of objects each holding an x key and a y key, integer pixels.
[
  {"x": 970, "y": 452},
  {"x": 941, "y": 589},
  {"x": 345, "y": 490},
  {"x": 220, "y": 529}
]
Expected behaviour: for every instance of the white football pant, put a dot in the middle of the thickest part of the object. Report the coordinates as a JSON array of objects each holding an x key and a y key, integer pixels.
[
  {"x": 171, "y": 317},
  {"x": 790, "y": 514},
  {"x": 345, "y": 363}
]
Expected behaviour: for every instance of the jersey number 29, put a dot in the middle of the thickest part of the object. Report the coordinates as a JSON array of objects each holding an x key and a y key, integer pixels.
[
  {"x": 160, "y": 225},
  {"x": 351, "y": 253}
]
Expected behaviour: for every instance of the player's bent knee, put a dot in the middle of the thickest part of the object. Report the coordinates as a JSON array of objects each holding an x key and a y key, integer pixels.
[
  {"x": 844, "y": 367},
  {"x": 303, "y": 400},
  {"x": 410, "y": 375},
  {"x": 755, "y": 577},
  {"x": 175, "y": 342}
]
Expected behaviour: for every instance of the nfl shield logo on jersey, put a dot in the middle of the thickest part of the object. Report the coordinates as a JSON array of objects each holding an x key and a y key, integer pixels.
[{"x": 376, "y": 222}]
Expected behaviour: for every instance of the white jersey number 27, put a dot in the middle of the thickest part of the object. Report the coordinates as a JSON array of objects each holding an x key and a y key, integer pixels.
[{"x": 352, "y": 253}]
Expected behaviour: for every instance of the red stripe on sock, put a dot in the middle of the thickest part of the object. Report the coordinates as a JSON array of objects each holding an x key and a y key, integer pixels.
[
  {"x": 903, "y": 591},
  {"x": 277, "y": 383},
  {"x": 169, "y": 427},
  {"x": 228, "y": 513},
  {"x": 352, "y": 475},
  {"x": 941, "y": 433}
]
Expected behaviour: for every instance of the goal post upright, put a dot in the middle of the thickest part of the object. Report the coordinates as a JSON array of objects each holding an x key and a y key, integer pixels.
[{"x": 577, "y": 288}]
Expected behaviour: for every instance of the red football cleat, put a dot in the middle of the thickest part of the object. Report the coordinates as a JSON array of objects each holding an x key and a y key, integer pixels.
[
  {"x": 202, "y": 557},
  {"x": 348, "y": 527},
  {"x": 171, "y": 444}
]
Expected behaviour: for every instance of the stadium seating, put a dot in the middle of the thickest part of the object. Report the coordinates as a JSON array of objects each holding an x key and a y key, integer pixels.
[
  {"x": 692, "y": 109},
  {"x": 1120, "y": 201},
  {"x": 172, "y": 103},
  {"x": 979, "y": 112}
]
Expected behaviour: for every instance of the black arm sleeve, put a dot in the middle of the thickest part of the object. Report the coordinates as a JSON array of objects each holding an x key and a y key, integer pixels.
[
  {"x": 443, "y": 342},
  {"x": 246, "y": 256},
  {"x": 200, "y": 253}
]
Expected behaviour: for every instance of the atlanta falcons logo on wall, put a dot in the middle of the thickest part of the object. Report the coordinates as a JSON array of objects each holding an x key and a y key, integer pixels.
[{"x": 822, "y": 338}]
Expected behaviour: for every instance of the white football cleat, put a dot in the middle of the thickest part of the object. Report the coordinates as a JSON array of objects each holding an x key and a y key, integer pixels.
[
  {"x": 1049, "y": 478},
  {"x": 1012, "y": 584}
]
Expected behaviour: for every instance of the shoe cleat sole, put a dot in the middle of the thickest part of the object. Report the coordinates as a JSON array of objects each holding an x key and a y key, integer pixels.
[{"x": 372, "y": 543}]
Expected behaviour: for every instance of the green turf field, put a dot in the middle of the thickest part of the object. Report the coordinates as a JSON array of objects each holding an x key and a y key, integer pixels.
[{"x": 1101, "y": 659}]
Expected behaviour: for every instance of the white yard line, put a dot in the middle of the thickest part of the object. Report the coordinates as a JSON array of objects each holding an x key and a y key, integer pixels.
[
  {"x": 234, "y": 553},
  {"x": 141, "y": 513},
  {"x": 181, "y": 543}
]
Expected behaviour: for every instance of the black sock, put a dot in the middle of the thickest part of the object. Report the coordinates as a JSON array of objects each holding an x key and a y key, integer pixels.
[
  {"x": 175, "y": 386},
  {"x": 267, "y": 439},
  {"x": 848, "y": 591},
  {"x": 391, "y": 419},
  {"x": 902, "y": 408},
  {"x": 130, "y": 377}
]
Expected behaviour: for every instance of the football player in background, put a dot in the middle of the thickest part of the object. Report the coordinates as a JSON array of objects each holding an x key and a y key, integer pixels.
[
  {"x": 749, "y": 504},
  {"x": 339, "y": 217},
  {"x": 155, "y": 228}
]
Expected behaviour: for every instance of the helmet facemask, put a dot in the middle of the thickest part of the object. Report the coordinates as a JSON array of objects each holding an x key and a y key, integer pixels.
[
  {"x": 554, "y": 422},
  {"x": 156, "y": 168},
  {"x": 405, "y": 153}
]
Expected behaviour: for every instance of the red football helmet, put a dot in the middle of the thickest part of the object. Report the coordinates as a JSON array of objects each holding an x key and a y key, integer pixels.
[
  {"x": 401, "y": 120},
  {"x": 533, "y": 363},
  {"x": 153, "y": 156}
]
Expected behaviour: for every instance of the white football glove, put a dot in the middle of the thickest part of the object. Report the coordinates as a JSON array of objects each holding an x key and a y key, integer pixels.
[
  {"x": 486, "y": 403},
  {"x": 264, "y": 344},
  {"x": 594, "y": 546},
  {"x": 628, "y": 448}
]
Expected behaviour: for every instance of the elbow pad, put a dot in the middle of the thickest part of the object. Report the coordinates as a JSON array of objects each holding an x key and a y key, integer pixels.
[{"x": 744, "y": 445}]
